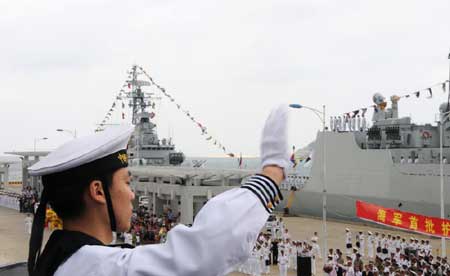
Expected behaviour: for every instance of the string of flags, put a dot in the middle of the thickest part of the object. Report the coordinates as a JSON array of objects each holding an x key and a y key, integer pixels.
[
  {"x": 118, "y": 103},
  {"x": 204, "y": 130},
  {"x": 418, "y": 93}
]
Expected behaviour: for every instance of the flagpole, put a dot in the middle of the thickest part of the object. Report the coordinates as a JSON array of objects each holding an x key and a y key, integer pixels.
[
  {"x": 322, "y": 117},
  {"x": 324, "y": 198}
]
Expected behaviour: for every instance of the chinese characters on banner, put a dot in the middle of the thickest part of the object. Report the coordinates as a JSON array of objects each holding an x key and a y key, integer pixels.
[{"x": 408, "y": 221}]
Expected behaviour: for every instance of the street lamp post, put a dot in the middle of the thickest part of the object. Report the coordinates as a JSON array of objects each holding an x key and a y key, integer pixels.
[
  {"x": 321, "y": 115},
  {"x": 73, "y": 133},
  {"x": 38, "y": 139},
  {"x": 443, "y": 117}
]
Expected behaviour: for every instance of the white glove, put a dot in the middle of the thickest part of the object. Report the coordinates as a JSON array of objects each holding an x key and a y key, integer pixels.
[{"x": 274, "y": 140}]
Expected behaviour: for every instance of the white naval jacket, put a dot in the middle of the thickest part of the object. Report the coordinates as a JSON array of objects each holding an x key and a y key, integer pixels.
[{"x": 222, "y": 236}]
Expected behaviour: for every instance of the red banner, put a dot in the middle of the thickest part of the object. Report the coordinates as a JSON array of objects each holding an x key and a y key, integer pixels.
[{"x": 403, "y": 220}]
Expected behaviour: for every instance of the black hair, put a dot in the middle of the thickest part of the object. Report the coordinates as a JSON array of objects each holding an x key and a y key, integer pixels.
[
  {"x": 64, "y": 191},
  {"x": 66, "y": 199}
]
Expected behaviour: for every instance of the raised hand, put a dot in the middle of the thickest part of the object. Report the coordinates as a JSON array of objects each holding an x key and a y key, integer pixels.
[{"x": 274, "y": 144}]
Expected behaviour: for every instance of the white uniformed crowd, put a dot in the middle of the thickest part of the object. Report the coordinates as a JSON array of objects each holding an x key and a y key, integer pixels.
[
  {"x": 385, "y": 254},
  {"x": 9, "y": 200},
  {"x": 275, "y": 247},
  {"x": 23, "y": 202},
  {"x": 348, "y": 123},
  {"x": 365, "y": 254}
]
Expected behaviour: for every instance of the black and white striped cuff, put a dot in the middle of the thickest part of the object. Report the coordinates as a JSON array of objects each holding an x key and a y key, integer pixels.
[{"x": 265, "y": 189}]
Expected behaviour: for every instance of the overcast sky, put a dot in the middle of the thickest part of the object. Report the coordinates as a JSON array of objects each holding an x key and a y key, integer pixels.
[{"x": 228, "y": 62}]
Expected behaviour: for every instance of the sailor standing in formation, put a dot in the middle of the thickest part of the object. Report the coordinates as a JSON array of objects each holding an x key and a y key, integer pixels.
[
  {"x": 354, "y": 127},
  {"x": 363, "y": 123},
  {"x": 370, "y": 243},
  {"x": 283, "y": 261},
  {"x": 358, "y": 123},
  {"x": 87, "y": 183},
  {"x": 348, "y": 241},
  {"x": 315, "y": 252},
  {"x": 362, "y": 241},
  {"x": 28, "y": 223}
]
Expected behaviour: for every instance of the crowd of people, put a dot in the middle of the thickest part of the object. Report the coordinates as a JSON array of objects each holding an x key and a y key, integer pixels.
[
  {"x": 275, "y": 247},
  {"x": 28, "y": 200},
  {"x": 348, "y": 123},
  {"x": 24, "y": 202},
  {"x": 385, "y": 254},
  {"x": 9, "y": 199},
  {"x": 149, "y": 228},
  {"x": 364, "y": 254}
]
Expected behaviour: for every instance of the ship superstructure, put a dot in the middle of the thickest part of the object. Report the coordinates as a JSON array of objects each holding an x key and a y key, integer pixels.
[
  {"x": 145, "y": 147},
  {"x": 394, "y": 163}
]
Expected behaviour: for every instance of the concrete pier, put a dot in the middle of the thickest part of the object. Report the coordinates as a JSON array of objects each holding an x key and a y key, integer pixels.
[{"x": 184, "y": 190}]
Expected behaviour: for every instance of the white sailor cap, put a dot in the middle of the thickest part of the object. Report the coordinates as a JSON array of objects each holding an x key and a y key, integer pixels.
[
  {"x": 90, "y": 156},
  {"x": 346, "y": 229},
  {"x": 84, "y": 150},
  {"x": 368, "y": 232}
]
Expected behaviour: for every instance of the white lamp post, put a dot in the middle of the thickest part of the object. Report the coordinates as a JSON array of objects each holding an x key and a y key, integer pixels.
[
  {"x": 321, "y": 115},
  {"x": 443, "y": 117}
]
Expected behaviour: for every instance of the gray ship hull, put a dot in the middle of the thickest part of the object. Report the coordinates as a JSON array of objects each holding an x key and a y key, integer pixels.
[
  {"x": 371, "y": 175},
  {"x": 343, "y": 207}
]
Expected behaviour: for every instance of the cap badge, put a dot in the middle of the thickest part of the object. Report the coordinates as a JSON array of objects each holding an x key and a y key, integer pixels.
[{"x": 123, "y": 158}]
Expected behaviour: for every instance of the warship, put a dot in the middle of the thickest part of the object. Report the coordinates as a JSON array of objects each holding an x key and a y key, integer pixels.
[
  {"x": 394, "y": 163},
  {"x": 145, "y": 147}
]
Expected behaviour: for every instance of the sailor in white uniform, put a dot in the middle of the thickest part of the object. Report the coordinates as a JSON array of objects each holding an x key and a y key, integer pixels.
[
  {"x": 87, "y": 183},
  {"x": 370, "y": 244},
  {"x": 346, "y": 123},
  {"x": 353, "y": 124},
  {"x": 283, "y": 261},
  {"x": 402, "y": 160},
  {"x": 348, "y": 241},
  {"x": 377, "y": 240},
  {"x": 362, "y": 242},
  {"x": 339, "y": 124},
  {"x": 363, "y": 123},
  {"x": 266, "y": 252},
  {"x": 315, "y": 252},
  {"x": 28, "y": 223}
]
